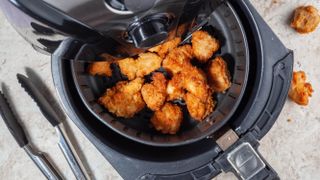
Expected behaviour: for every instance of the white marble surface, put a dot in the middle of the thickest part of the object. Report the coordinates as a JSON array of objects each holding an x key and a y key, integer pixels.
[{"x": 292, "y": 148}]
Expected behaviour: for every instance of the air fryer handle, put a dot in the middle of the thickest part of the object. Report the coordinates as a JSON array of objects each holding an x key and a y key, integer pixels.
[
  {"x": 267, "y": 173},
  {"x": 245, "y": 162}
]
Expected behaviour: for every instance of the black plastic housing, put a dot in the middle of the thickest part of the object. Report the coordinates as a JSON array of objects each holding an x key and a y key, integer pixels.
[{"x": 268, "y": 83}]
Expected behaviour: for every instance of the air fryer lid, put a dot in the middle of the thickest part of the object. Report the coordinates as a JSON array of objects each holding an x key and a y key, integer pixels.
[
  {"x": 224, "y": 25},
  {"x": 129, "y": 26}
]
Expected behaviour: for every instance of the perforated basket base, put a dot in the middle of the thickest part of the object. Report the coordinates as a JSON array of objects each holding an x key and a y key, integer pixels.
[{"x": 226, "y": 27}]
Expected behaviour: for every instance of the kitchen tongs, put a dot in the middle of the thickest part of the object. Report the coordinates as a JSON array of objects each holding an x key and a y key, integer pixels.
[
  {"x": 51, "y": 115},
  {"x": 39, "y": 158}
]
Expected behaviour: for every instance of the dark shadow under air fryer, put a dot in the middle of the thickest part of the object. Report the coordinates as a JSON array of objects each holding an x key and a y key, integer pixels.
[{"x": 225, "y": 26}]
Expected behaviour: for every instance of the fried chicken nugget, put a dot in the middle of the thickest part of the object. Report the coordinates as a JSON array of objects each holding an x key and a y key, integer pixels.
[
  {"x": 204, "y": 45},
  {"x": 154, "y": 94},
  {"x": 199, "y": 109},
  {"x": 195, "y": 82},
  {"x": 102, "y": 68},
  {"x": 191, "y": 79},
  {"x": 168, "y": 119},
  {"x": 177, "y": 59},
  {"x": 128, "y": 67},
  {"x": 175, "y": 87},
  {"x": 305, "y": 19},
  {"x": 300, "y": 91},
  {"x": 124, "y": 99},
  {"x": 145, "y": 64},
  {"x": 219, "y": 75},
  {"x": 163, "y": 49}
]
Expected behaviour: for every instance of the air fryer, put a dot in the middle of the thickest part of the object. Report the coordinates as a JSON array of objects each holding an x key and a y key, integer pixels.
[{"x": 227, "y": 140}]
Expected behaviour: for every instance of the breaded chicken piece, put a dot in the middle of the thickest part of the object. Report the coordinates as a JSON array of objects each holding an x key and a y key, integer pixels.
[
  {"x": 154, "y": 94},
  {"x": 145, "y": 64},
  {"x": 195, "y": 82},
  {"x": 219, "y": 75},
  {"x": 163, "y": 49},
  {"x": 168, "y": 119},
  {"x": 124, "y": 99},
  {"x": 177, "y": 59},
  {"x": 175, "y": 89},
  {"x": 204, "y": 45},
  {"x": 199, "y": 109},
  {"x": 300, "y": 91},
  {"x": 305, "y": 19},
  {"x": 100, "y": 68},
  {"x": 128, "y": 67},
  {"x": 191, "y": 79}
]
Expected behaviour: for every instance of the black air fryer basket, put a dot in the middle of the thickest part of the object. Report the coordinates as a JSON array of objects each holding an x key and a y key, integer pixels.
[
  {"x": 225, "y": 25},
  {"x": 261, "y": 69}
]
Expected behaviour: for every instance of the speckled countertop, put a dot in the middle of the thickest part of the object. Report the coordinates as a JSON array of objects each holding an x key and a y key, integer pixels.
[{"x": 291, "y": 147}]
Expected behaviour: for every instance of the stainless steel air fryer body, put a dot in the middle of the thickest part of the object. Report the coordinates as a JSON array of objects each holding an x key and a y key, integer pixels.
[{"x": 128, "y": 26}]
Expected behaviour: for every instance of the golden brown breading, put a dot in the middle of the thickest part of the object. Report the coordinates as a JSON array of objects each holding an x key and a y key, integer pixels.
[
  {"x": 191, "y": 79},
  {"x": 199, "y": 109},
  {"x": 124, "y": 99},
  {"x": 195, "y": 82},
  {"x": 100, "y": 68},
  {"x": 168, "y": 119},
  {"x": 128, "y": 67},
  {"x": 219, "y": 75},
  {"x": 145, "y": 64},
  {"x": 177, "y": 59},
  {"x": 306, "y": 19},
  {"x": 204, "y": 45},
  {"x": 300, "y": 91},
  {"x": 174, "y": 88},
  {"x": 154, "y": 94},
  {"x": 163, "y": 49}
]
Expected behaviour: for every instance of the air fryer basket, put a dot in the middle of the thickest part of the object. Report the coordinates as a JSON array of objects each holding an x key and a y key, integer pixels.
[{"x": 224, "y": 25}]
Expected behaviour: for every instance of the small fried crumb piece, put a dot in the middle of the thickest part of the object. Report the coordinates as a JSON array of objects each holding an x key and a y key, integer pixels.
[
  {"x": 163, "y": 49},
  {"x": 177, "y": 59},
  {"x": 145, "y": 64},
  {"x": 168, "y": 119},
  {"x": 124, "y": 99},
  {"x": 306, "y": 19},
  {"x": 204, "y": 45},
  {"x": 218, "y": 75},
  {"x": 100, "y": 68},
  {"x": 197, "y": 108},
  {"x": 154, "y": 94},
  {"x": 300, "y": 91}
]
